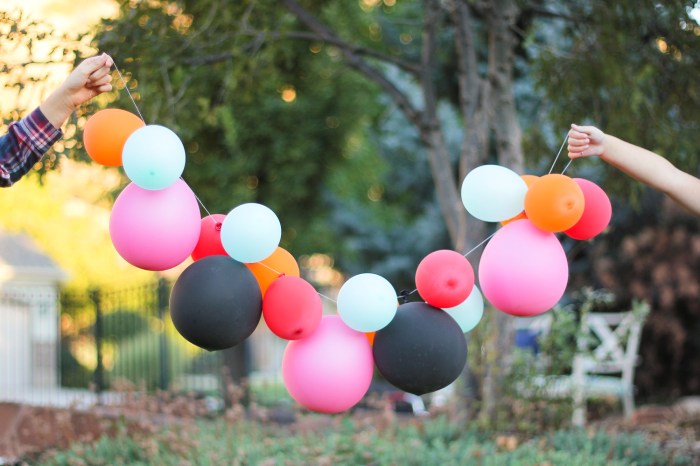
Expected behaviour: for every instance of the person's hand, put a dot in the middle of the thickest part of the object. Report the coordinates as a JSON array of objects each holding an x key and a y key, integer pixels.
[
  {"x": 585, "y": 141},
  {"x": 89, "y": 79}
]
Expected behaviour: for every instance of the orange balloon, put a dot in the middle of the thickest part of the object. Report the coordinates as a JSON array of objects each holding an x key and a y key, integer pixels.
[
  {"x": 269, "y": 269},
  {"x": 554, "y": 203},
  {"x": 106, "y": 133},
  {"x": 370, "y": 337},
  {"x": 528, "y": 179}
]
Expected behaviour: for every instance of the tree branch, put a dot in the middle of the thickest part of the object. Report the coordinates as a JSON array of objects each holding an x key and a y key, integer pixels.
[
  {"x": 409, "y": 67},
  {"x": 355, "y": 61}
]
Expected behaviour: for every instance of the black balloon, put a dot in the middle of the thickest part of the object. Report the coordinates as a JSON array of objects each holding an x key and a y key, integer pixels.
[
  {"x": 422, "y": 349},
  {"x": 216, "y": 303}
]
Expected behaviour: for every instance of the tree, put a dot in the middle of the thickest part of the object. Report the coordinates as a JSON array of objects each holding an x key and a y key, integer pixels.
[{"x": 468, "y": 53}]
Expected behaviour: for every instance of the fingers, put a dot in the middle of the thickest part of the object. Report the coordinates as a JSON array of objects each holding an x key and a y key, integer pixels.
[
  {"x": 91, "y": 65},
  {"x": 100, "y": 81}
]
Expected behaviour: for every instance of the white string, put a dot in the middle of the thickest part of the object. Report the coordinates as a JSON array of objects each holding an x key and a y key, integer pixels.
[
  {"x": 557, "y": 157},
  {"x": 404, "y": 295},
  {"x": 127, "y": 90}
]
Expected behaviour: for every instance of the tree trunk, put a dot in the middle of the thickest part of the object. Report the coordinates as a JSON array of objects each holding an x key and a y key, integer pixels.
[
  {"x": 501, "y": 17},
  {"x": 488, "y": 109}
]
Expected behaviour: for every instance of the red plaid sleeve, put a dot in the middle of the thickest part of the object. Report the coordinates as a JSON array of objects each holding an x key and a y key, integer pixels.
[{"x": 24, "y": 144}]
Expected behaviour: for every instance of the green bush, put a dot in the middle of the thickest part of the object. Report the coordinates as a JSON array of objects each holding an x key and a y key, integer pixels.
[
  {"x": 123, "y": 324},
  {"x": 138, "y": 359}
]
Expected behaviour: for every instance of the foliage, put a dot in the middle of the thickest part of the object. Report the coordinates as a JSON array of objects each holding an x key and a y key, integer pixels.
[
  {"x": 123, "y": 324},
  {"x": 654, "y": 256},
  {"x": 352, "y": 441},
  {"x": 629, "y": 68},
  {"x": 73, "y": 374},
  {"x": 138, "y": 359},
  {"x": 68, "y": 217},
  {"x": 259, "y": 123}
]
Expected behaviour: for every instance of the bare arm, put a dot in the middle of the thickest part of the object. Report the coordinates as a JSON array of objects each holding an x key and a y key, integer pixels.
[
  {"x": 90, "y": 78},
  {"x": 637, "y": 162}
]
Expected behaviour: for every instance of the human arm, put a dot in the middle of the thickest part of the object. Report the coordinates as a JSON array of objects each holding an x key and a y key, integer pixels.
[
  {"x": 29, "y": 139},
  {"x": 639, "y": 163},
  {"x": 89, "y": 79},
  {"x": 24, "y": 144}
]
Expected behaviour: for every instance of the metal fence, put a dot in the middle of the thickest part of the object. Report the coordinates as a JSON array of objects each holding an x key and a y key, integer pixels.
[{"x": 88, "y": 346}]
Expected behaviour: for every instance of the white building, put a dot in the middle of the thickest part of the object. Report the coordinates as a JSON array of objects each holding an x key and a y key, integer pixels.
[{"x": 29, "y": 317}]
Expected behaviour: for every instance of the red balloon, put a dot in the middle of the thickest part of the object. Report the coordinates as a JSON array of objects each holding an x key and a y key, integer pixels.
[
  {"x": 209, "y": 243},
  {"x": 444, "y": 278},
  {"x": 292, "y": 308},
  {"x": 597, "y": 211}
]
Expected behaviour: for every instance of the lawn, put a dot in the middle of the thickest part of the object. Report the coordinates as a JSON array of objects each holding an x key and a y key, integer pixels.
[{"x": 379, "y": 437}]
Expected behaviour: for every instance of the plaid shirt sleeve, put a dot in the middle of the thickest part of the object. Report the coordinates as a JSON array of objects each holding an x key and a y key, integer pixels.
[{"x": 24, "y": 144}]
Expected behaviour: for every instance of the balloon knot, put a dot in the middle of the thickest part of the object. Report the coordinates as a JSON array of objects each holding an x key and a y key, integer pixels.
[{"x": 403, "y": 296}]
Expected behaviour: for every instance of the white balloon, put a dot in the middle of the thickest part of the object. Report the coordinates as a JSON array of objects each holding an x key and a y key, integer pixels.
[
  {"x": 468, "y": 313},
  {"x": 153, "y": 157},
  {"x": 250, "y": 232},
  {"x": 367, "y": 302},
  {"x": 493, "y": 193}
]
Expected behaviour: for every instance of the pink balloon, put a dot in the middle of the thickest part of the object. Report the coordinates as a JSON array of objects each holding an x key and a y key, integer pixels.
[
  {"x": 444, "y": 278},
  {"x": 155, "y": 230},
  {"x": 330, "y": 370},
  {"x": 209, "y": 243},
  {"x": 523, "y": 270},
  {"x": 597, "y": 211}
]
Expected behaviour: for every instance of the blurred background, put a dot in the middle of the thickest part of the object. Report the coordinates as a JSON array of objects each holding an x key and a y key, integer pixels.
[{"x": 355, "y": 122}]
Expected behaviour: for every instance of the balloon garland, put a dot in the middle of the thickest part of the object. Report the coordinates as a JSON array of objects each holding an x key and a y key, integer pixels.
[{"x": 240, "y": 274}]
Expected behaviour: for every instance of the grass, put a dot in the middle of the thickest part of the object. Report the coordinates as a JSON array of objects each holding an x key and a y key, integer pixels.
[{"x": 376, "y": 438}]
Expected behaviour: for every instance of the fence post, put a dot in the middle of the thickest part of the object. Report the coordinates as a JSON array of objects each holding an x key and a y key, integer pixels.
[
  {"x": 99, "y": 368},
  {"x": 163, "y": 303}
]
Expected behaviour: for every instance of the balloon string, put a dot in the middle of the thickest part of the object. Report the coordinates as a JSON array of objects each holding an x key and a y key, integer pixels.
[
  {"x": 404, "y": 295},
  {"x": 567, "y": 166},
  {"x": 557, "y": 157},
  {"x": 127, "y": 90},
  {"x": 281, "y": 273},
  {"x": 201, "y": 203}
]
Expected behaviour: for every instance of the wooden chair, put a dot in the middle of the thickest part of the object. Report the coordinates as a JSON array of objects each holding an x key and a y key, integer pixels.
[{"x": 604, "y": 363}]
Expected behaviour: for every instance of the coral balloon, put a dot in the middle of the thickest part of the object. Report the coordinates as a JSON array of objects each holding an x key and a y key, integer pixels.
[
  {"x": 330, "y": 370},
  {"x": 209, "y": 243},
  {"x": 153, "y": 157},
  {"x": 106, "y": 133},
  {"x": 528, "y": 179},
  {"x": 292, "y": 308},
  {"x": 422, "y": 350},
  {"x": 523, "y": 270},
  {"x": 493, "y": 193},
  {"x": 554, "y": 203},
  {"x": 444, "y": 278},
  {"x": 155, "y": 230},
  {"x": 280, "y": 262},
  {"x": 251, "y": 232},
  {"x": 367, "y": 302},
  {"x": 469, "y": 312},
  {"x": 596, "y": 212},
  {"x": 215, "y": 303}
]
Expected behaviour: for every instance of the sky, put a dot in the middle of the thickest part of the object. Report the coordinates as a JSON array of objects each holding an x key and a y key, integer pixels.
[{"x": 65, "y": 16}]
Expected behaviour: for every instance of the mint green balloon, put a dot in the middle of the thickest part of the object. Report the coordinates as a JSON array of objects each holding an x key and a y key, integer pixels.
[
  {"x": 153, "y": 157},
  {"x": 367, "y": 302},
  {"x": 469, "y": 312},
  {"x": 493, "y": 193}
]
